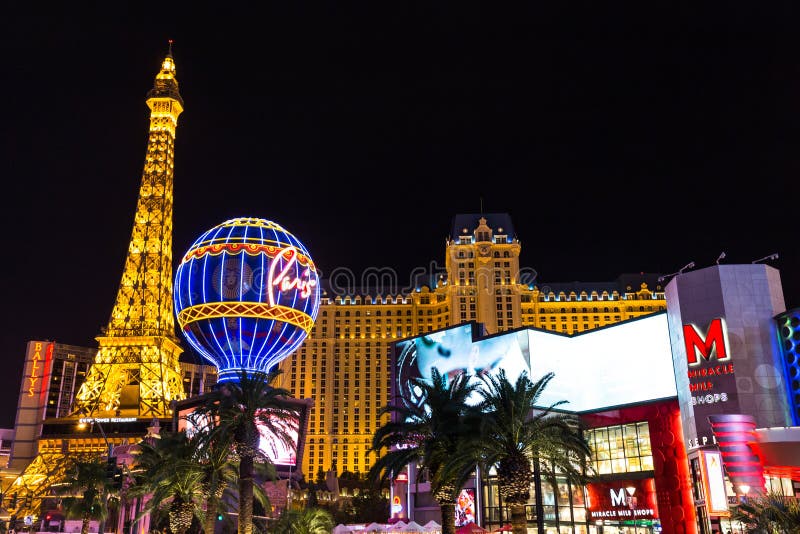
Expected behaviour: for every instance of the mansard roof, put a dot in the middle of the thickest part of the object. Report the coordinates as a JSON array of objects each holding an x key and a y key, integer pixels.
[{"x": 470, "y": 221}]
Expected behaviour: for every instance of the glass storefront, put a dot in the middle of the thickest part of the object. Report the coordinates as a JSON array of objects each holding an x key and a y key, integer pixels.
[
  {"x": 616, "y": 450},
  {"x": 621, "y": 448}
]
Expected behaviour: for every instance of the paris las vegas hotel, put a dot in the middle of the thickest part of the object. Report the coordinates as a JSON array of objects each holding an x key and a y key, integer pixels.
[{"x": 345, "y": 363}]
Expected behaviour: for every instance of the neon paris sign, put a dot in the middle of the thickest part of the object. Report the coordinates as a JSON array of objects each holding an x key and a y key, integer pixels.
[{"x": 303, "y": 282}]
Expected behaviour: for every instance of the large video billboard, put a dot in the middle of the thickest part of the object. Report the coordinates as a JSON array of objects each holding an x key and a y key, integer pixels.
[
  {"x": 624, "y": 363},
  {"x": 279, "y": 453}
]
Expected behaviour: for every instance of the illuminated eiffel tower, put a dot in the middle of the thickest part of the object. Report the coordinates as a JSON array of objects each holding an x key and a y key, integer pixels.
[{"x": 136, "y": 373}]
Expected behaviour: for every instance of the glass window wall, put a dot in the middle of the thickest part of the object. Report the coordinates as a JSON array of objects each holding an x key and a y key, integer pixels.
[{"x": 621, "y": 448}]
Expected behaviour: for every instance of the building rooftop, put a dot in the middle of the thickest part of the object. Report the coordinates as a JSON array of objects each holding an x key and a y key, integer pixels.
[{"x": 500, "y": 223}]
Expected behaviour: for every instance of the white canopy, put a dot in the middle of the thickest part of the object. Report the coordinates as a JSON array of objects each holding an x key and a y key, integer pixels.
[
  {"x": 413, "y": 526},
  {"x": 397, "y": 527},
  {"x": 375, "y": 527},
  {"x": 341, "y": 529}
]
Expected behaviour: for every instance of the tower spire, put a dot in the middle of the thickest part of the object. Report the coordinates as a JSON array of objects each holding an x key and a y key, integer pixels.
[{"x": 136, "y": 371}]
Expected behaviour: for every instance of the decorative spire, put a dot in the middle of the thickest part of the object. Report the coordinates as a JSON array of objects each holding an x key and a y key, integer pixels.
[{"x": 166, "y": 84}]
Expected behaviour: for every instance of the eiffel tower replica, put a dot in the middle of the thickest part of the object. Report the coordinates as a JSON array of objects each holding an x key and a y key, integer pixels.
[{"x": 136, "y": 373}]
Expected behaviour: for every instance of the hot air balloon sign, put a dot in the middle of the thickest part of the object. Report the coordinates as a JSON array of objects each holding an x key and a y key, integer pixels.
[{"x": 246, "y": 295}]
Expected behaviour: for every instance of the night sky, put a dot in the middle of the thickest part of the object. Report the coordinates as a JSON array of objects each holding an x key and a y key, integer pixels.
[{"x": 620, "y": 139}]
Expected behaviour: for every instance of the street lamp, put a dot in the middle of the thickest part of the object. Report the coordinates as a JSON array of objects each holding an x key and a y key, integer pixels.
[
  {"x": 689, "y": 265},
  {"x": 745, "y": 489},
  {"x": 110, "y": 459},
  {"x": 92, "y": 421}
]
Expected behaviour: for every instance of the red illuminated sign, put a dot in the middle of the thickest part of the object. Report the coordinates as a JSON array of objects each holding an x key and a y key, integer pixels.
[
  {"x": 38, "y": 366},
  {"x": 715, "y": 340},
  {"x": 622, "y": 500}
]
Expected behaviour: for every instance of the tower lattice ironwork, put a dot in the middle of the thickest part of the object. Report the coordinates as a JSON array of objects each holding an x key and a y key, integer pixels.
[{"x": 136, "y": 371}]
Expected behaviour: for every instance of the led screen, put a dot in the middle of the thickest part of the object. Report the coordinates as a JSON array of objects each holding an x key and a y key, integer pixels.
[
  {"x": 275, "y": 449},
  {"x": 465, "y": 507},
  {"x": 625, "y": 363},
  {"x": 714, "y": 479},
  {"x": 454, "y": 350}
]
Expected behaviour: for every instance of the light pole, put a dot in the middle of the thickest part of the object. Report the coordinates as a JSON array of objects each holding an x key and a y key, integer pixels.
[
  {"x": 92, "y": 421},
  {"x": 101, "y": 526}
]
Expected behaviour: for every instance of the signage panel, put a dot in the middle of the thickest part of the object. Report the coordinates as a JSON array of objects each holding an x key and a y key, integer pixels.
[
  {"x": 712, "y": 382},
  {"x": 714, "y": 482},
  {"x": 622, "y": 500}
]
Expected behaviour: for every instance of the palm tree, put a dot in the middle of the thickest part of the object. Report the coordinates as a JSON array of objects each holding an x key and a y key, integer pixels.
[
  {"x": 219, "y": 474},
  {"x": 516, "y": 430},
  {"x": 242, "y": 412},
  {"x": 220, "y": 468},
  {"x": 87, "y": 488},
  {"x": 168, "y": 470},
  {"x": 309, "y": 520},
  {"x": 430, "y": 433},
  {"x": 771, "y": 513}
]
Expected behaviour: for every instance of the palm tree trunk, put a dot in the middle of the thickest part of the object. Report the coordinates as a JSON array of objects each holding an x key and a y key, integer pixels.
[
  {"x": 210, "y": 519},
  {"x": 448, "y": 517},
  {"x": 519, "y": 520},
  {"x": 85, "y": 524},
  {"x": 537, "y": 483},
  {"x": 246, "y": 494},
  {"x": 101, "y": 524}
]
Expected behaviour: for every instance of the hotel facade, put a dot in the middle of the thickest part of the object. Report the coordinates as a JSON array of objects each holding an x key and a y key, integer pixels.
[{"x": 345, "y": 363}]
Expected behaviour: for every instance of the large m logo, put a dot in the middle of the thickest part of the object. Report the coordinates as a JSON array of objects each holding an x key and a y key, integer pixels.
[
  {"x": 619, "y": 498},
  {"x": 715, "y": 340}
]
